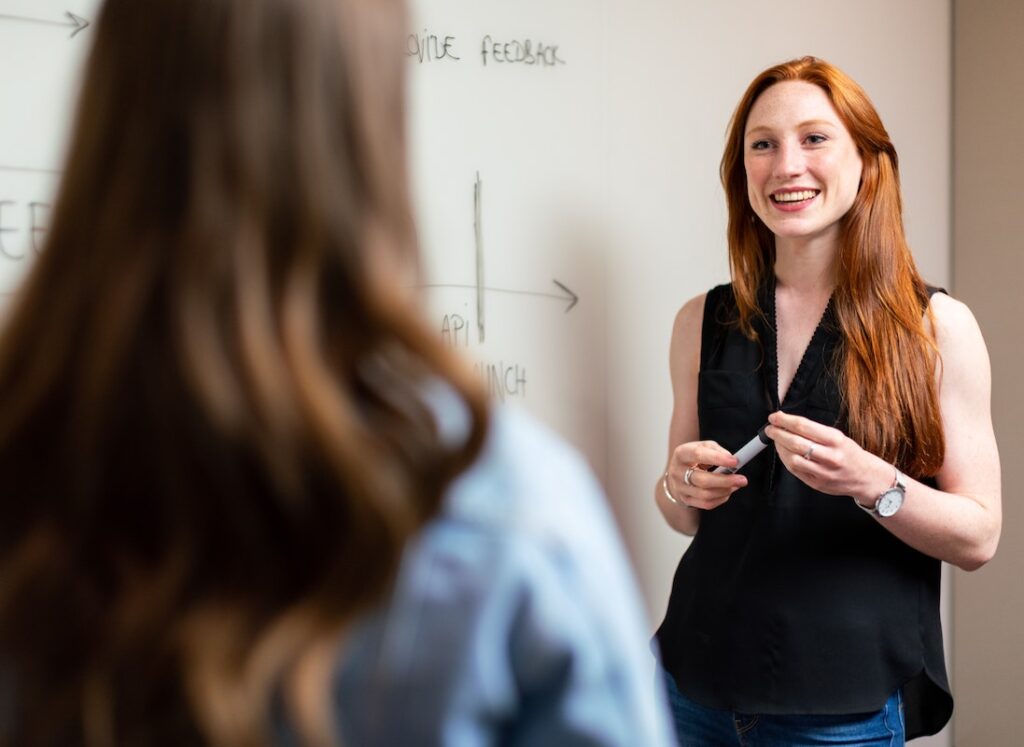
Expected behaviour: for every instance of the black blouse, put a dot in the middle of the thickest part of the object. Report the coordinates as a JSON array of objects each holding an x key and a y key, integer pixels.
[{"x": 790, "y": 601}]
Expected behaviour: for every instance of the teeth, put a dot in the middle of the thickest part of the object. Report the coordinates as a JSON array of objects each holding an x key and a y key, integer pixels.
[{"x": 794, "y": 196}]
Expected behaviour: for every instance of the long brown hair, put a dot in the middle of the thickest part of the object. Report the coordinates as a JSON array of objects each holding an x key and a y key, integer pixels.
[
  {"x": 889, "y": 357},
  {"x": 214, "y": 433}
]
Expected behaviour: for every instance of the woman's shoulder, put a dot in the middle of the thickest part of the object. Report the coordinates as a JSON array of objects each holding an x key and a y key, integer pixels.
[
  {"x": 522, "y": 572},
  {"x": 529, "y": 518},
  {"x": 524, "y": 481},
  {"x": 703, "y": 313},
  {"x": 694, "y": 307},
  {"x": 527, "y": 481},
  {"x": 690, "y": 315},
  {"x": 526, "y": 510},
  {"x": 963, "y": 356},
  {"x": 946, "y": 307},
  {"x": 954, "y": 325}
]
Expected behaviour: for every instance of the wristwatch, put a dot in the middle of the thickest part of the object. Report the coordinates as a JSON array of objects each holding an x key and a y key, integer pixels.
[{"x": 888, "y": 502}]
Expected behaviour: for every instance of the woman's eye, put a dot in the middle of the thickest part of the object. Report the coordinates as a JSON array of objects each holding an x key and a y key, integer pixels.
[
  {"x": 760, "y": 145},
  {"x": 815, "y": 139}
]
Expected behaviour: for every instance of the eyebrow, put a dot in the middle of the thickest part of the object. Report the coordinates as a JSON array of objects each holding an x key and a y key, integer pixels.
[{"x": 807, "y": 123}]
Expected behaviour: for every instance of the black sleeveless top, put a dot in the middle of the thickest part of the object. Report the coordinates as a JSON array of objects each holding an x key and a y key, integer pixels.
[{"x": 790, "y": 601}]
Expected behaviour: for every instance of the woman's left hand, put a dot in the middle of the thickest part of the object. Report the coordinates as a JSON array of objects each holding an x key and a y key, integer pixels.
[{"x": 824, "y": 458}]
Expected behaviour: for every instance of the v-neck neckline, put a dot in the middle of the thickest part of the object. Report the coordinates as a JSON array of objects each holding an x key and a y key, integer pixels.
[{"x": 803, "y": 377}]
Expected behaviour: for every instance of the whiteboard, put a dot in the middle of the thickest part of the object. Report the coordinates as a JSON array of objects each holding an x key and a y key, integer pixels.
[
  {"x": 507, "y": 142},
  {"x": 42, "y": 45}
]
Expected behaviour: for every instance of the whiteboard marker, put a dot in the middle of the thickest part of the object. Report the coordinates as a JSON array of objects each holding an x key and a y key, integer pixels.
[{"x": 750, "y": 449}]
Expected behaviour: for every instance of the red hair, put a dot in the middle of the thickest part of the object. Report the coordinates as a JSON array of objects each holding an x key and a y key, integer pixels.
[{"x": 887, "y": 365}]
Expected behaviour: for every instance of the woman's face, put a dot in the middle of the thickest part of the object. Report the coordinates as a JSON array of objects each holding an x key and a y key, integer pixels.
[{"x": 803, "y": 168}]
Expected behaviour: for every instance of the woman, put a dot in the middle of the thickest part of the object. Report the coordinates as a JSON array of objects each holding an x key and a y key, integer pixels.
[
  {"x": 808, "y": 602},
  {"x": 248, "y": 496}
]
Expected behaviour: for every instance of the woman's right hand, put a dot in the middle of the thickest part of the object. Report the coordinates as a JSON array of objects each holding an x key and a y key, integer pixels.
[{"x": 704, "y": 489}]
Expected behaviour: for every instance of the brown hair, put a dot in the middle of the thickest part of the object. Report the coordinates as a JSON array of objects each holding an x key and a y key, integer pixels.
[
  {"x": 889, "y": 357},
  {"x": 213, "y": 435}
]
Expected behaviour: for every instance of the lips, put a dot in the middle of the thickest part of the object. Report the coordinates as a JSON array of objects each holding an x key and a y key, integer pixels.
[{"x": 793, "y": 196}]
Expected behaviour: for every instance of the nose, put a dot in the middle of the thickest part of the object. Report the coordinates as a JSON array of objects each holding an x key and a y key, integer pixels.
[{"x": 789, "y": 160}]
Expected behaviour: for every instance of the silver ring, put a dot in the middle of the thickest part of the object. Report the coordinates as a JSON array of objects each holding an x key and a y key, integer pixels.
[
  {"x": 810, "y": 451},
  {"x": 688, "y": 474}
]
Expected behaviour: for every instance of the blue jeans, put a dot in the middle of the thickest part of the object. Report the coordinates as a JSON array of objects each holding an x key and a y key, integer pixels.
[{"x": 697, "y": 726}]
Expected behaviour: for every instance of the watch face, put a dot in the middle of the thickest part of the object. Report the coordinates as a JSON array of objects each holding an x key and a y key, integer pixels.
[{"x": 890, "y": 502}]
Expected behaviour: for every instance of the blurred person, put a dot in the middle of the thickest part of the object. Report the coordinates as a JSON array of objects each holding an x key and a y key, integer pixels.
[
  {"x": 806, "y": 609},
  {"x": 249, "y": 498}
]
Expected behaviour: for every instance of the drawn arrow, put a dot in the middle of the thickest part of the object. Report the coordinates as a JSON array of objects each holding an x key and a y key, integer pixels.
[
  {"x": 565, "y": 295},
  {"x": 76, "y": 23},
  {"x": 479, "y": 286},
  {"x": 574, "y": 299}
]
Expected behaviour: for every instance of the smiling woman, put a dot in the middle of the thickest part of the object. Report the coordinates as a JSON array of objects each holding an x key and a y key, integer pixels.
[{"x": 809, "y": 600}]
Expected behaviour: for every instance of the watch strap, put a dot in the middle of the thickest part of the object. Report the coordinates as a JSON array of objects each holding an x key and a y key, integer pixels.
[
  {"x": 898, "y": 481},
  {"x": 873, "y": 509}
]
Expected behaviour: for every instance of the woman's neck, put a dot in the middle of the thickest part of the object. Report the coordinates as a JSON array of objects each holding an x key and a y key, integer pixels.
[{"x": 806, "y": 266}]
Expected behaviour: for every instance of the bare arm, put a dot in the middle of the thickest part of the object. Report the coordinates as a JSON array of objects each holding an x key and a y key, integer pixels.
[
  {"x": 959, "y": 522},
  {"x": 684, "y": 450}
]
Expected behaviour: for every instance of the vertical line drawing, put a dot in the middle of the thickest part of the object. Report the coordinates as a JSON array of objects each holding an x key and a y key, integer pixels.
[{"x": 478, "y": 188}]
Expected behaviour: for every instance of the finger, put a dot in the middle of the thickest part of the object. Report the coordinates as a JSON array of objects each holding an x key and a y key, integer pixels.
[
  {"x": 703, "y": 480},
  {"x": 809, "y": 471},
  {"x": 706, "y": 499},
  {"x": 680, "y": 482},
  {"x": 712, "y": 503},
  {"x": 713, "y": 454},
  {"x": 703, "y": 452},
  {"x": 709, "y": 490},
  {"x": 795, "y": 444},
  {"x": 809, "y": 429}
]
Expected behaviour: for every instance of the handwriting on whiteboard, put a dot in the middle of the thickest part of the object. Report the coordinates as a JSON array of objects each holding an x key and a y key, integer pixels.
[
  {"x": 18, "y": 220},
  {"x": 428, "y": 47}
]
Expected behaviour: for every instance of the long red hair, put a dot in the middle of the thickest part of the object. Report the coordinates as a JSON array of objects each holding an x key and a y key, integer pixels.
[{"x": 888, "y": 362}]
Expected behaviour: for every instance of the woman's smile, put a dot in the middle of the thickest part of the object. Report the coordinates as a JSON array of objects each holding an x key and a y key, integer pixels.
[{"x": 793, "y": 199}]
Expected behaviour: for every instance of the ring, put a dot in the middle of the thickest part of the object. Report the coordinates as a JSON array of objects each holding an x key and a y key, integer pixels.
[
  {"x": 688, "y": 474},
  {"x": 668, "y": 493},
  {"x": 810, "y": 451}
]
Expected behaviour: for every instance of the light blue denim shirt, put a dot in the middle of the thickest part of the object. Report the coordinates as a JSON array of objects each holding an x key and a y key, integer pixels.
[{"x": 515, "y": 619}]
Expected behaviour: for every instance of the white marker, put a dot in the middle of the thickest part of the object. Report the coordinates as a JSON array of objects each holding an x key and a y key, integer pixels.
[{"x": 750, "y": 449}]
